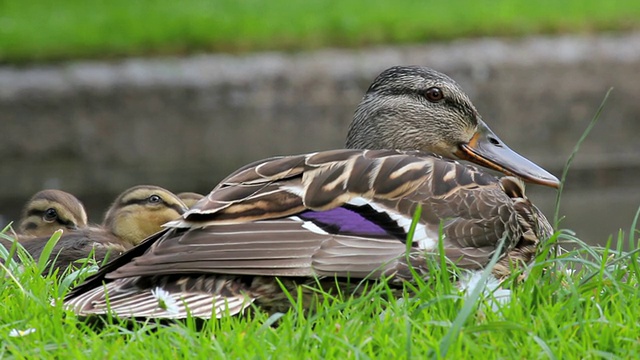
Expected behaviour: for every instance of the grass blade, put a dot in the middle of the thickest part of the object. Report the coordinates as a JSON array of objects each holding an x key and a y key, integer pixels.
[
  {"x": 567, "y": 165},
  {"x": 454, "y": 331},
  {"x": 48, "y": 248}
]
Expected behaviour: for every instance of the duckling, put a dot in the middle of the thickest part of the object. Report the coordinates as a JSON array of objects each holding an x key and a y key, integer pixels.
[
  {"x": 340, "y": 216},
  {"x": 141, "y": 211},
  {"x": 190, "y": 198},
  {"x": 135, "y": 214},
  {"x": 50, "y": 210}
]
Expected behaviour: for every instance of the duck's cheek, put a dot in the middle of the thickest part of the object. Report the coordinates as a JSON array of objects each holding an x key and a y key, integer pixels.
[
  {"x": 445, "y": 149},
  {"x": 158, "y": 218}
]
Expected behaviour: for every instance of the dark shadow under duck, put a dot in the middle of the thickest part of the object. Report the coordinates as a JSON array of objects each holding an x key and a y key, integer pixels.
[{"x": 341, "y": 214}]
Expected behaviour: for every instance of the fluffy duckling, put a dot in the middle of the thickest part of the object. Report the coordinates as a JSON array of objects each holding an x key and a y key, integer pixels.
[
  {"x": 341, "y": 215},
  {"x": 135, "y": 214},
  {"x": 50, "y": 210},
  {"x": 141, "y": 211},
  {"x": 190, "y": 198}
]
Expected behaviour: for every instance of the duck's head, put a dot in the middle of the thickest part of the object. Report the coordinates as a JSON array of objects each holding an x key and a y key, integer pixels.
[
  {"x": 190, "y": 198},
  {"x": 417, "y": 108},
  {"x": 50, "y": 210},
  {"x": 141, "y": 211}
]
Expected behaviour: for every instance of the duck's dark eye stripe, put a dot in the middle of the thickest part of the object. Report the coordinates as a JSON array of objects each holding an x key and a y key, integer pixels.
[
  {"x": 66, "y": 223},
  {"x": 40, "y": 214},
  {"x": 136, "y": 202},
  {"x": 400, "y": 92},
  {"x": 35, "y": 212},
  {"x": 30, "y": 226},
  {"x": 179, "y": 209},
  {"x": 462, "y": 108},
  {"x": 145, "y": 201}
]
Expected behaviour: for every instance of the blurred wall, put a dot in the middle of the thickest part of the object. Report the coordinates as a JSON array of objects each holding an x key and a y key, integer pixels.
[{"x": 97, "y": 128}]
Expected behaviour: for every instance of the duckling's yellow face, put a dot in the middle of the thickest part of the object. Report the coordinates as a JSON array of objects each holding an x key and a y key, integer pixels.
[
  {"x": 141, "y": 211},
  {"x": 50, "y": 210}
]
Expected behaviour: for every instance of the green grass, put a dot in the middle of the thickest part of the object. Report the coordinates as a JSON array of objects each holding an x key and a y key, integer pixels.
[
  {"x": 52, "y": 30},
  {"x": 553, "y": 313}
]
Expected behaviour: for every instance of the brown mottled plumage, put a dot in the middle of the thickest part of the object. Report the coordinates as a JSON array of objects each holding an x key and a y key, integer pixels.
[
  {"x": 50, "y": 210},
  {"x": 339, "y": 214},
  {"x": 137, "y": 213}
]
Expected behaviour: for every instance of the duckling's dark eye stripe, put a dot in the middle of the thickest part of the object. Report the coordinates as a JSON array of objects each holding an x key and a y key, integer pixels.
[
  {"x": 59, "y": 220},
  {"x": 30, "y": 226},
  {"x": 35, "y": 212},
  {"x": 179, "y": 209},
  {"x": 135, "y": 201}
]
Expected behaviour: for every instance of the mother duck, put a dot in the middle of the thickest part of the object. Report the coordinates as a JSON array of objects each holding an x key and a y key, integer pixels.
[{"x": 339, "y": 214}]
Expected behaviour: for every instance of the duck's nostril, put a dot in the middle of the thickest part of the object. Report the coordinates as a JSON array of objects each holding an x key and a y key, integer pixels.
[{"x": 494, "y": 141}]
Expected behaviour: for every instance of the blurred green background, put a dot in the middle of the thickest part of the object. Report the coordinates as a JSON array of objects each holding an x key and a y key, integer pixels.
[{"x": 56, "y": 30}]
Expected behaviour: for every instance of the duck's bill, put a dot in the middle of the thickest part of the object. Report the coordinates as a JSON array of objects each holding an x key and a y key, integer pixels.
[{"x": 486, "y": 149}]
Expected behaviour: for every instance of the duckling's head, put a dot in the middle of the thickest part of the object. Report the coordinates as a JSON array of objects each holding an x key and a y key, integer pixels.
[
  {"x": 50, "y": 210},
  {"x": 417, "y": 108},
  {"x": 141, "y": 211},
  {"x": 190, "y": 198}
]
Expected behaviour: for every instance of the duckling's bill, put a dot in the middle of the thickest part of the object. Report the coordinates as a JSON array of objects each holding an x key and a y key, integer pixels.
[{"x": 486, "y": 149}]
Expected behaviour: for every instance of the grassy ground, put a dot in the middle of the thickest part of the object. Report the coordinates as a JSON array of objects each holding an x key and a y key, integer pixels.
[
  {"x": 553, "y": 313},
  {"x": 45, "y": 30}
]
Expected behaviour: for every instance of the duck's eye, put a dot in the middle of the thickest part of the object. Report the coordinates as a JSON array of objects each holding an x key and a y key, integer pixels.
[
  {"x": 154, "y": 199},
  {"x": 434, "y": 94},
  {"x": 50, "y": 215}
]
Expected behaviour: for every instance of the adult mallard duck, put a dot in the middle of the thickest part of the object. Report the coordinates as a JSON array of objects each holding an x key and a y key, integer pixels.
[
  {"x": 50, "y": 210},
  {"x": 190, "y": 198},
  {"x": 135, "y": 214},
  {"x": 341, "y": 214}
]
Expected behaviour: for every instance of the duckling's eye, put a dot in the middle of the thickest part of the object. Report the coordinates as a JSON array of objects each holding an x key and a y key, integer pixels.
[
  {"x": 50, "y": 215},
  {"x": 154, "y": 199},
  {"x": 434, "y": 94}
]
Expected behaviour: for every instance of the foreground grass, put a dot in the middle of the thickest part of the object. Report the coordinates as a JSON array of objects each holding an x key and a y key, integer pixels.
[
  {"x": 42, "y": 30},
  {"x": 553, "y": 313}
]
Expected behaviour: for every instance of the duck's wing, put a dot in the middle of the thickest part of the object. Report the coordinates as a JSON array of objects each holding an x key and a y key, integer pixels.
[{"x": 286, "y": 216}]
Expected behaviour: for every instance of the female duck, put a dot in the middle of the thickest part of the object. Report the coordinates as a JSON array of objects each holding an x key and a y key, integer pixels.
[{"x": 341, "y": 214}]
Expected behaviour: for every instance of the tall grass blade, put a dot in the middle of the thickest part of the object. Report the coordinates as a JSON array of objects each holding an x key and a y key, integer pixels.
[
  {"x": 567, "y": 165},
  {"x": 46, "y": 251},
  {"x": 412, "y": 229},
  {"x": 633, "y": 244}
]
